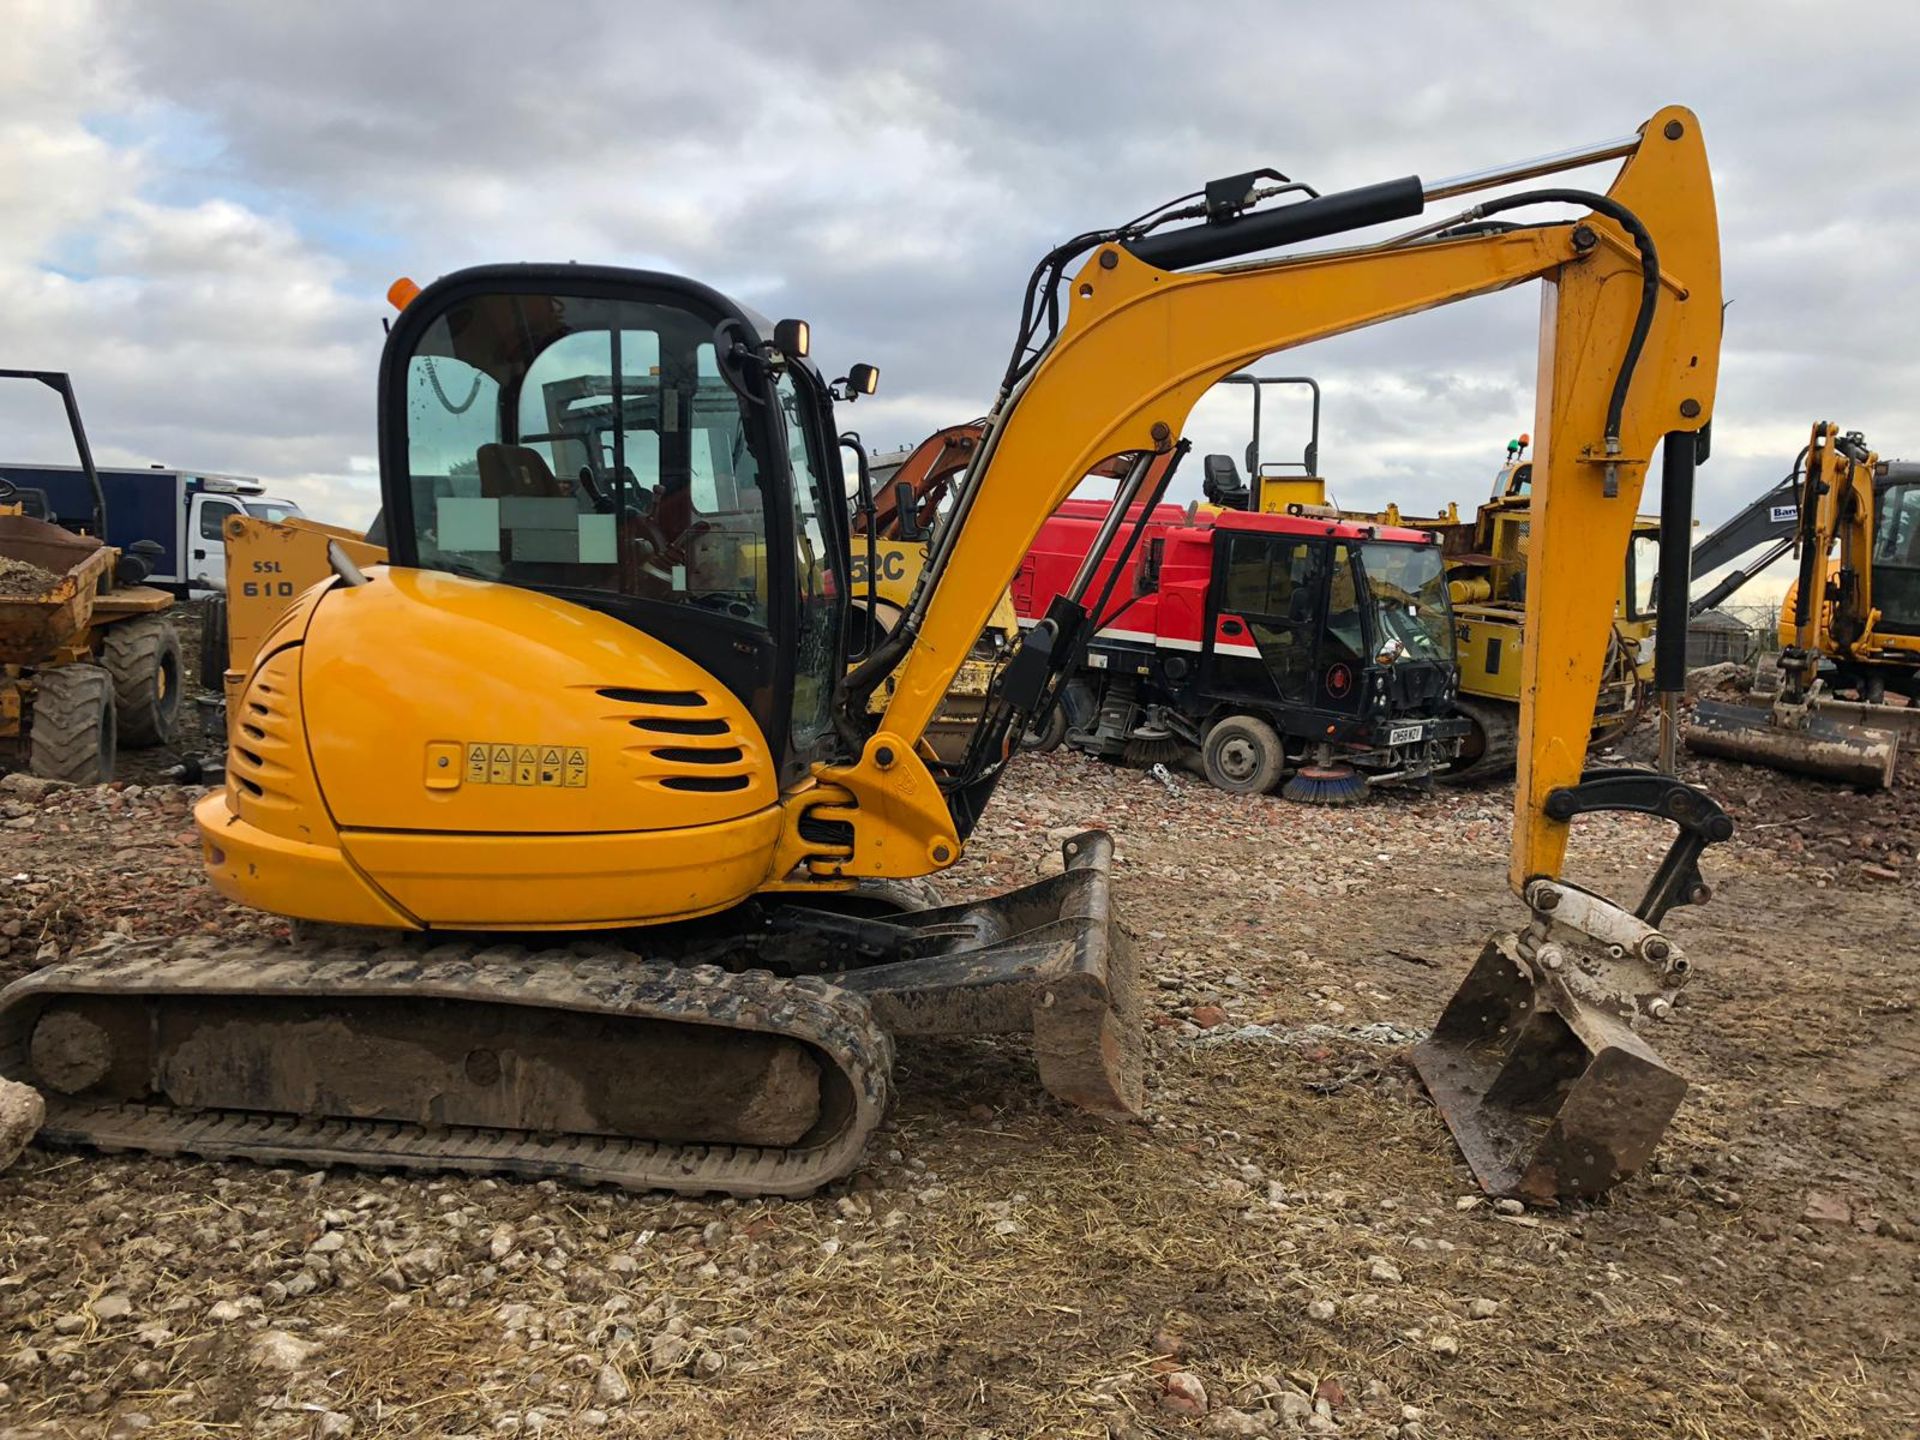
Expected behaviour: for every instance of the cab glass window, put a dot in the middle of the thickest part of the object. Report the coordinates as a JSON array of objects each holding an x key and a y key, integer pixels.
[
  {"x": 1408, "y": 584},
  {"x": 1896, "y": 526},
  {"x": 1346, "y": 638},
  {"x": 1271, "y": 575},
  {"x": 817, "y": 641},
  {"x": 579, "y": 444},
  {"x": 213, "y": 516}
]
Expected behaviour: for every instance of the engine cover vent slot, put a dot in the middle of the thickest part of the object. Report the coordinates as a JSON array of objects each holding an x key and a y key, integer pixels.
[
  {"x": 681, "y": 699},
  {"x": 707, "y": 784},
  {"x": 673, "y": 725},
  {"x": 694, "y": 755}
]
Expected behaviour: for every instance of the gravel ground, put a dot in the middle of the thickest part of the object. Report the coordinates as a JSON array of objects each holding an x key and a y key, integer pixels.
[{"x": 1289, "y": 1245}]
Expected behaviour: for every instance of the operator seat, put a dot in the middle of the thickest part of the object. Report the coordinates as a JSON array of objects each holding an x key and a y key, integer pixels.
[
  {"x": 515, "y": 470},
  {"x": 1221, "y": 483}
]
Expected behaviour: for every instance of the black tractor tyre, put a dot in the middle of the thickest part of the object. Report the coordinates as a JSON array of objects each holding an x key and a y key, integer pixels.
[
  {"x": 73, "y": 734},
  {"x": 213, "y": 645},
  {"x": 143, "y": 656},
  {"x": 1049, "y": 733},
  {"x": 1243, "y": 755}
]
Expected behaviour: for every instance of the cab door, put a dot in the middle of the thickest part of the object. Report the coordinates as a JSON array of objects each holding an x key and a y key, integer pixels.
[
  {"x": 1344, "y": 643},
  {"x": 1896, "y": 558},
  {"x": 1264, "y": 624},
  {"x": 206, "y": 565}
]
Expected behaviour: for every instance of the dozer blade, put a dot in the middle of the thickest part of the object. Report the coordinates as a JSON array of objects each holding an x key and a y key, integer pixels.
[
  {"x": 1050, "y": 959},
  {"x": 1826, "y": 741},
  {"x": 1546, "y": 1095}
]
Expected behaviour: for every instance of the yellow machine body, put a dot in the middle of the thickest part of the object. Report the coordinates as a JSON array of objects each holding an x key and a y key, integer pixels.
[
  {"x": 537, "y": 824},
  {"x": 269, "y": 563},
  {"x": 1802, "y": 727},
  {"x": 1846, "y": 623},
  {"x": 1874, "y": 647},
  {"x": 1289, "y": 494}
]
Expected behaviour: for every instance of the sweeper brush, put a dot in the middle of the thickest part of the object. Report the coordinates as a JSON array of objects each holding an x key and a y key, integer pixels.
[{"x": 1325, "y": 785}]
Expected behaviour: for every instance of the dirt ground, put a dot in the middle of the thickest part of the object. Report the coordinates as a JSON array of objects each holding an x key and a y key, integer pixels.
[{"x": 1290, "y": 1232}]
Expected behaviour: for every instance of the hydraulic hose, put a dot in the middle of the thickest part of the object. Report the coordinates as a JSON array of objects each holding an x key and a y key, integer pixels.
[{"x": 1649, "y": 281}]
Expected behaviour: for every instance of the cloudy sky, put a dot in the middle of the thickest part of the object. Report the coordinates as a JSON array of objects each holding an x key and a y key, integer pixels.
[{"x": 204, "y": 202}]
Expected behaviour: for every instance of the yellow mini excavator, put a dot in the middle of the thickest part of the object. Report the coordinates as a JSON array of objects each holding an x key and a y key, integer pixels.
[
  {"x": 1854, "y": 614},
  {"x": 602, "y": 861}
]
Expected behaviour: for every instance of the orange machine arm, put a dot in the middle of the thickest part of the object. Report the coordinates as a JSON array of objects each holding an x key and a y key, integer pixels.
[
  {"x": 929, "y": 470},
  {"x": 1140, "y": 345}
]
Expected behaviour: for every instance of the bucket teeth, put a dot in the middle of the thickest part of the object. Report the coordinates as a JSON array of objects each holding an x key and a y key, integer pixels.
[{"x": 1547, "y": 1095}]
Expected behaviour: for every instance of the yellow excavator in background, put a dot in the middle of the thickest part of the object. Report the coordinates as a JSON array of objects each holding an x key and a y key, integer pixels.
[
  {"x": 599, "y": 850},
  {"x": 1854, "y": 611}
]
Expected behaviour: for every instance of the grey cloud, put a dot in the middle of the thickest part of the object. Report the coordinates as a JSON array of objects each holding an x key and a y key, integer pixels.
[{"x": 893, "y": 171}]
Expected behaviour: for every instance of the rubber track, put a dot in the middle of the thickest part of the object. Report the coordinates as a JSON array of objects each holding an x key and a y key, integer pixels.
[
  {"x": 586, "y": 979},
  {"x": 1499, "y": 722}
]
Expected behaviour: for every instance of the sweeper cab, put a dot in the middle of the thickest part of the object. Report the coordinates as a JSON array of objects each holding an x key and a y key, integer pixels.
[{"x": 1263, "y": 647}]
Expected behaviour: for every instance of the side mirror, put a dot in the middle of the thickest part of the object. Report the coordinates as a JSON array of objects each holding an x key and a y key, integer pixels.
[
  {"x": 793, "y": 339},
  {"x": 906, "y": 512}
]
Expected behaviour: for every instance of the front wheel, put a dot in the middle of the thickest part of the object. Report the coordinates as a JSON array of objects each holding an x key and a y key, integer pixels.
[
  {"x": 1243, "y": 755},
  {"x": 73, "y": 731},
  {"x": 1047, "y": 734}
]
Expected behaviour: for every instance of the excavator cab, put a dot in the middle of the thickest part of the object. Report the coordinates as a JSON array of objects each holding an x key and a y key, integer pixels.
[
  {"x": 1896, "y": 551},
  {"x": 617, "y": 450}
]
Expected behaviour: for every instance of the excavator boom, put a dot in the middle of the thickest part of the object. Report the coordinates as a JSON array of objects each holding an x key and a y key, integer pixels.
[{"x": 915, "y": 490}]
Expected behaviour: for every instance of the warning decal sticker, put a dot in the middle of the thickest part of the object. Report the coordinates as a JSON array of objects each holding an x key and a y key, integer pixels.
[{"x": 497, "y": 762}]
